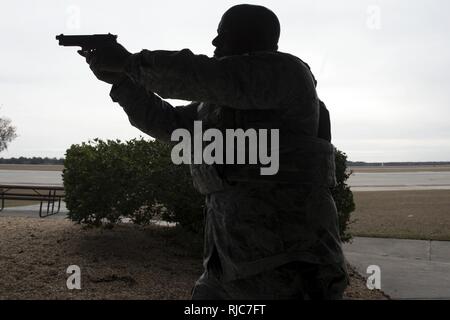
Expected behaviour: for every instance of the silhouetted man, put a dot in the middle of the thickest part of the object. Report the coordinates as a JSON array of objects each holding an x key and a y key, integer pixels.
[{"x": 266, "y": 237}]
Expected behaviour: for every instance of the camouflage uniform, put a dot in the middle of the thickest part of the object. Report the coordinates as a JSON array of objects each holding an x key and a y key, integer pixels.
[{"x": 255, "y": 225}]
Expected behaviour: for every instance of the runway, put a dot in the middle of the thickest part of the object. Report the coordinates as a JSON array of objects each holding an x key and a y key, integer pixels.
[
  {"x": 359, "y": 181},
  {"x": 397, "y": 181},
  {"x": 31, "y": 177}
]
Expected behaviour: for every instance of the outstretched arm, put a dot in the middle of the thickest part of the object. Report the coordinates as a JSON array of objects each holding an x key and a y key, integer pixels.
[
  {"x": 145, "y": 110},
  {"x": 255, "y": 81},
  {"x": 149, "y": 113},
  {"x": 260, "y": 80}
]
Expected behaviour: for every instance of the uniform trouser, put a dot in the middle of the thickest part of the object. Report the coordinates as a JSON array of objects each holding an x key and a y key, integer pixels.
[{"x": 295, "y": 280}]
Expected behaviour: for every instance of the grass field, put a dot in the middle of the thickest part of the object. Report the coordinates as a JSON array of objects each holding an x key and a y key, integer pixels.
[{"x": 402, "y": 214}]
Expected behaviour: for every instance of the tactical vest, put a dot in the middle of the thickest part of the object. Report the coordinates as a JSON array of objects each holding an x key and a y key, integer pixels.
[{"x": 303, "y": 160}]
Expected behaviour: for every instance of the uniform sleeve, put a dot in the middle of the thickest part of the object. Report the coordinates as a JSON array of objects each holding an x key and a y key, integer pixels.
[
  {"x": 149, "y": 113},
  {"x": 253, "y": 81}
]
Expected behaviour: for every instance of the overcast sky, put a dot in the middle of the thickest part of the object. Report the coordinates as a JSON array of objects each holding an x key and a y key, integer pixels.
[{"x": 383, "y": 68}]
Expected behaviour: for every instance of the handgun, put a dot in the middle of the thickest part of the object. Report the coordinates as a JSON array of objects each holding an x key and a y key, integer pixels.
[{"x": 87, "y": 42}]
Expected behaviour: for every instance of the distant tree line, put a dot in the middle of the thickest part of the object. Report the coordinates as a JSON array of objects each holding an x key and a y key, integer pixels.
[
  {"x": 393, "y": 164},
  {"x": 33, "y": 160}
]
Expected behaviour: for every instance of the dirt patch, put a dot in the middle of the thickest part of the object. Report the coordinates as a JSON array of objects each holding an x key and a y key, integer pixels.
[
  {"x": 127, "y": 262},
  {"x": 358, "y": 289},
  {"x": 402, "y": 214}
]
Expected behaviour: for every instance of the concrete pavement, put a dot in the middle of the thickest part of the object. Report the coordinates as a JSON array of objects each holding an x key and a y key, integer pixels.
[{"x": 410, "y": 269}]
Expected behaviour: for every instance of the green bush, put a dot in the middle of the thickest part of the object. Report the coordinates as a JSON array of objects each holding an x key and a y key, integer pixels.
[
  {"x": 343, "y": 196},
  {"x": 106, "y": 180}
]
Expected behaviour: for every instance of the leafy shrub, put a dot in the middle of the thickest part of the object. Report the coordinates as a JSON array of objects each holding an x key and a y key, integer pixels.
[
  {"x": 343, "y": 196},
  {"x": 106, "y": 180}
]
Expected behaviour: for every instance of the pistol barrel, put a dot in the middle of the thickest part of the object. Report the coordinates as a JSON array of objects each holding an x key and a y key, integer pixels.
[{"x": 86, "y": 41}]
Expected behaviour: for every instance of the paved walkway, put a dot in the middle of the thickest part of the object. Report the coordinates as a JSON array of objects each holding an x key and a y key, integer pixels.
[{"x": 410, "y": 269}]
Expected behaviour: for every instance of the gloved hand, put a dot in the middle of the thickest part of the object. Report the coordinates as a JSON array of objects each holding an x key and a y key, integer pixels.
[{"x": 107, "y": 63}]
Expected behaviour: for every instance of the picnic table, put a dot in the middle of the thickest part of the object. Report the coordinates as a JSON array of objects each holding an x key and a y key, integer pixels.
[{"x": 49, "y": 194}]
